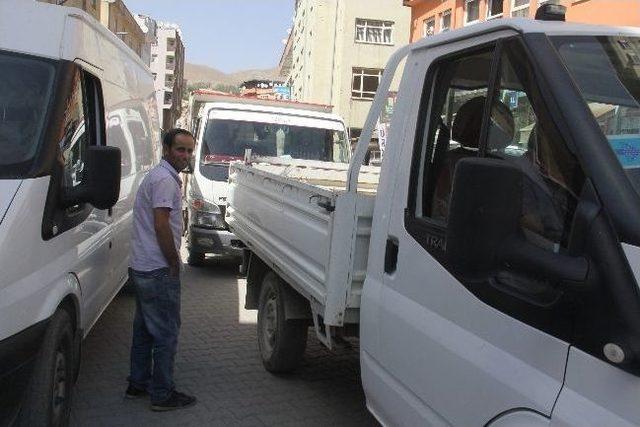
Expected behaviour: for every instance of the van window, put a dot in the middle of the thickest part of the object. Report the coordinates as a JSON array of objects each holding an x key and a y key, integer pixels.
[
  {"x": 607, "y": 73},
  {"x": 74, "y": 141},
  {"x": 453, "y": 132},
  {"x": 553, "y": 177},
  {"x": 25, "y": 92},
  {"x": 226, "y": 140},
  {"x": 517, "y": 129}
]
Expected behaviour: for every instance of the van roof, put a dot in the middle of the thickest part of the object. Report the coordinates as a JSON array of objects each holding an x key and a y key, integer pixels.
[
  {"x": 48, "y": 36},
  {"x": 215, "y": 96},
  {"x": 524, "y": 25},
  {"x": 288, "y": 109}
]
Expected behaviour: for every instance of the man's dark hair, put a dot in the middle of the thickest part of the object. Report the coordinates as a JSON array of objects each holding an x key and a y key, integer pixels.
[{"x": 170, "y": 136}]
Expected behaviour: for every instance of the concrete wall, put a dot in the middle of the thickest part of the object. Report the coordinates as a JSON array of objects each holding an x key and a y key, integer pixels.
[{"x": 607, "y": 12}]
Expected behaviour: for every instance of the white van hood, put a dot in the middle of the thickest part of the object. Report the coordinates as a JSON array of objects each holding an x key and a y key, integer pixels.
[{"x": 8, "y": 188}]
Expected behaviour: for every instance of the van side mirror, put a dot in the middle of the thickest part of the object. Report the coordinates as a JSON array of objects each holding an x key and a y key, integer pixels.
[
  {"x": 484, "y": 212},
  {"x": 101, "y": 183},
  {"x": 484, "y": 233}
]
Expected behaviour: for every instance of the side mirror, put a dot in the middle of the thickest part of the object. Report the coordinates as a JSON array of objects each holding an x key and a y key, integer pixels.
[
  {"x": 484, "y": 232},
  {"x": 101, "y": 183},
  {"x": 484, "y": 212}
]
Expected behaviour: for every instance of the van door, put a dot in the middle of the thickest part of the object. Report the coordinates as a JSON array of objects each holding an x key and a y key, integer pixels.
[
  {"x": 463, "y": 348},
  {"x": 80, "y": 232}
]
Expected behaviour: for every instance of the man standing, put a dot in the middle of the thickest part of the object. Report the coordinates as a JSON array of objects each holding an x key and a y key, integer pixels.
[{"x": 155, "y": 272}]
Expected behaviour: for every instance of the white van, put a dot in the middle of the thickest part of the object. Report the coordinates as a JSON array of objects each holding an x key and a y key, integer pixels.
[
  {"x": 77, "y": 126},
  {"x": 490, "y": 266},
  {"x": 226, "y": 126}
]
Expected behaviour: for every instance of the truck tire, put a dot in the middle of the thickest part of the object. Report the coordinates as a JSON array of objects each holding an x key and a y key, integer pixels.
[
  {"x": 48, "y": 399},
  {"x": 282, "y": 342},
  {"x": 195, "y": 259}
]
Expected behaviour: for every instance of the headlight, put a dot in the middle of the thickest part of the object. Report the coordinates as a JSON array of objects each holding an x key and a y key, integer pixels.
[
  {"x": 209, "y": 220},
  {"x": 201, "y": 205}
]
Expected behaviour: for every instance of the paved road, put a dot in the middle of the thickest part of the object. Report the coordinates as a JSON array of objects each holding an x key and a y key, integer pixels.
[{"x": 218, "y": 362}]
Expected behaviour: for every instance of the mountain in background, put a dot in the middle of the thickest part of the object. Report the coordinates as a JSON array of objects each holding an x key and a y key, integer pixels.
[{"x": 195, "y": 74}]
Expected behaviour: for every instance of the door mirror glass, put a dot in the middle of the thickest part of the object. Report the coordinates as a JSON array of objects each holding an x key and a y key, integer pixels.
[
  {"x": 101, "y": 184},
  {"x": 480, "y": 221}
]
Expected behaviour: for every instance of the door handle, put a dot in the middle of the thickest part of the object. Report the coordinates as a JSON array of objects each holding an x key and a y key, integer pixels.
[{"x": 391, "y": 255}]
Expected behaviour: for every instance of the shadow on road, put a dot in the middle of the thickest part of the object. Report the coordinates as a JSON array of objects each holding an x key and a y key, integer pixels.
[{"x": 218, "y": 362}]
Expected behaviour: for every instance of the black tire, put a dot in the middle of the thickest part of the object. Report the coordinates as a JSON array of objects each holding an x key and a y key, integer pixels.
[
  {"x": 195, "y": 259},
  {"x": 48, "y": 399},
  {"x": 281, "y": 342}
]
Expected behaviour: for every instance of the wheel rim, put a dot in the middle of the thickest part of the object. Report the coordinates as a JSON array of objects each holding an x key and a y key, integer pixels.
[
  {"x": 59, "y": 395},
  {"x": 270, "y": 321}
]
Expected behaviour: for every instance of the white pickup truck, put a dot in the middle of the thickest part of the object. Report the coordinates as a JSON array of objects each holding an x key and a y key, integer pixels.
[{"x": 491, "y": 272}]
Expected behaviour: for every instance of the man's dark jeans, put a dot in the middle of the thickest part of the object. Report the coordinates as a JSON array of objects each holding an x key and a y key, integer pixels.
[{"x": 155, "y": 331}]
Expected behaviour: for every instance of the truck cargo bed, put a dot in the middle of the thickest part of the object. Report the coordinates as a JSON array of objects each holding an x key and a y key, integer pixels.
[{"x": 298, "y": 218}]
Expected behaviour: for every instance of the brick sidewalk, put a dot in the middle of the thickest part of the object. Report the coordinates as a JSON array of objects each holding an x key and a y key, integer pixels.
[{"x": 218, "y": 362}]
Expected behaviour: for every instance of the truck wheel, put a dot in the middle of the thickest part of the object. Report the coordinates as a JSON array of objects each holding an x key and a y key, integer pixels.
[
  {"x": 48, "y": 400},
  {"x": 281, "y": 342},
  {"x": 195, "y": 259}
]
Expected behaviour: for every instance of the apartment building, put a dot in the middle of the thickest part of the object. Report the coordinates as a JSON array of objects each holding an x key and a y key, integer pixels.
[
  {"x": 167, "y": 66},
  {"x": 92, "y": 7},
  {"x": 265, "y": 89},
  {"x": 430, "y": 17},
  {"x": 337, "y": 50},
  {"x": 149, "y": 28},
  {"x": 114, "y": 15}
]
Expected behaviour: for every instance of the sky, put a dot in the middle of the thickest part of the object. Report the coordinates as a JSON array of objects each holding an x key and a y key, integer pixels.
[{"x": 229, "y": 35}]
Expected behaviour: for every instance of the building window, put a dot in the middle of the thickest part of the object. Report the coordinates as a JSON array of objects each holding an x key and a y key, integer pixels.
[
  {"x": 445, "y": 21},
  {"x": 377, "y": 32},
  {"x": 520, "y": 8},
  {"x": 494, "y": 9},
  {"x": 168, "y": 97},
  {"x": 365, "y": 82},
  {"x": 170, "y": 62},
  {"x": 429, "y": 27},
  {"x": 171, "y": 44},
  {"x": 471, "y": 11},
  {"x": 168, "y": 80}
]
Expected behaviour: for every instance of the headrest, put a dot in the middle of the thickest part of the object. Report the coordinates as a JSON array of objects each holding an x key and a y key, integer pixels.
[
  {"x": 468, "y": 122},
  {"x": 502, "y": 127}
]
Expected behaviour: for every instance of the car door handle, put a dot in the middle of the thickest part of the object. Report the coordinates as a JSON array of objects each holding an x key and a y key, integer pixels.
[{"x": 391, "y": 255}]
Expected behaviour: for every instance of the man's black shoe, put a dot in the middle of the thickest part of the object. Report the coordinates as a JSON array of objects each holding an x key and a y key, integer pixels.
[
  {"x": 135, "y": 393},
  {"x": 176, "y": 400}
]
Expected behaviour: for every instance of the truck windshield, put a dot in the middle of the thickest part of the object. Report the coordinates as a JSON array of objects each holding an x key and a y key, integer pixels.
[
  {"x": 226, "y": 140},
  {"x": 25, "y": 90},
  {"x": 607, "y": 72}
]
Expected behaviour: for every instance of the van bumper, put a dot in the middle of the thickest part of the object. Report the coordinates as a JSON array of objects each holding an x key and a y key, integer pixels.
[
  {"x": 207, "y": 241},
  {"x": 18, "y": 355}
]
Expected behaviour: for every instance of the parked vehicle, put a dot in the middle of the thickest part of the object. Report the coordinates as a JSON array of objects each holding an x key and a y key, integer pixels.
[
  {"x": 492, "y": 273},
  {"x": 225, "y": 127},
  {"x": 77, "y": 126}
]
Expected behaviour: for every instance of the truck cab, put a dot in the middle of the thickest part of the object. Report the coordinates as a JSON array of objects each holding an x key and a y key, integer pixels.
[
  {"x": 502, "y": 282},
  {"x": 226, "y": 127},
  {"x": 491, "y": 267}
]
